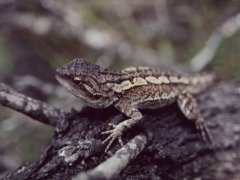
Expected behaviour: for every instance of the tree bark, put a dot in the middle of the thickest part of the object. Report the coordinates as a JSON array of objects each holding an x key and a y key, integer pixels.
[{"x": 173, "y": 150}]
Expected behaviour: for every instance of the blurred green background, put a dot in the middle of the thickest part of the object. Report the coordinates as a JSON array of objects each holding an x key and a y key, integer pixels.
[{"x": 38, "y": 36}]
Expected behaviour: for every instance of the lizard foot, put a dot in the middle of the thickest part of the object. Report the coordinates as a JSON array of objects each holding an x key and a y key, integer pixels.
[
  {"x": 113, "y": 134},
  {"x": 205, "y": 133}
]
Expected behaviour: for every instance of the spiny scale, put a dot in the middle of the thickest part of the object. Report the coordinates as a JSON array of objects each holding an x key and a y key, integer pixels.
[{"x": 132, "y": 89}]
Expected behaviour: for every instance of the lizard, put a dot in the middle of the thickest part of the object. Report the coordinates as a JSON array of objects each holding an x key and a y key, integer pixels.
[{"x": 132, "y": 89}]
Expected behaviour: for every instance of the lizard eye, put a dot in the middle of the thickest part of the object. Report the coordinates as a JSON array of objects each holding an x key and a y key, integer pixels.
[{"x": 76, "y": 81}]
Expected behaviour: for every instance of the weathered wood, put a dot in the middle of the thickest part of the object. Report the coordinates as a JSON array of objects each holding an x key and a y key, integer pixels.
[{"x": 176, "y": 151}]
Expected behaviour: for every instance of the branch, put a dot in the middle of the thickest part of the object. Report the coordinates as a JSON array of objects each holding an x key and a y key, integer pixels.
[
  {"x": 31, "y": 107},
  {"x": 116, "y": 163},
  {"x": 176, "y": 151},
  {"x": 206, "y": 55}
]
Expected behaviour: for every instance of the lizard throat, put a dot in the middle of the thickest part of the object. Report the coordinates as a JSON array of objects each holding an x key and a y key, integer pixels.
[{"x": 81, "y": 91}]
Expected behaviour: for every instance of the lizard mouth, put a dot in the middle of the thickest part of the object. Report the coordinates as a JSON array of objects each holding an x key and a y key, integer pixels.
[
  {"x": 79, "y": 91},
  {"x": 63, "y": 82}
]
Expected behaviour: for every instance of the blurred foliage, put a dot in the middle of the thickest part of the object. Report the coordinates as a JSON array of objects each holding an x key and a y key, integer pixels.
[
  {"x": 6, "y": 59},
  {"x": 227, "y": 62},
  {"x": 38, "y": 36}
]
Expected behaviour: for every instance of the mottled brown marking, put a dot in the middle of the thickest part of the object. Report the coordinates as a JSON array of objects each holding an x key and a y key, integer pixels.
[
  {"x": 163, "y": 79},
  {"x": 138, "y": 81},
  {"x": 134, "y": 88},
  {"x": 129, "y": 69},
  {"x": 173, "y": 79},
  {"x": 153, "y": 80}
]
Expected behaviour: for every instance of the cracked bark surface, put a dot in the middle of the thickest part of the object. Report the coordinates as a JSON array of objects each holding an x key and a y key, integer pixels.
[{"x": 176, "y": 150}]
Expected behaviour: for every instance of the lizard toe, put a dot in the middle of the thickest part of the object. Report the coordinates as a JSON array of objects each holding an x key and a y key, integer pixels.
[
  {"x": 114, "y": 134},
  {"x": 205, "y": 133},
  {"x": 120, "y": 140},
  {"x": 108, "y": 131},
  {"x": 112, "y": 125},
  {"x": 111, "y": 138}
]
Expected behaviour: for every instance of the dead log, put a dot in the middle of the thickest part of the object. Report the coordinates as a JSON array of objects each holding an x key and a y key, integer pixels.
[{"x": 173, "y": 149}]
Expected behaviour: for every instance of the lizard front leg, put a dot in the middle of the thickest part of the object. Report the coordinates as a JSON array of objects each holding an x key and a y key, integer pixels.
[
  {"x": 190, "y": 109},
  {"x": 118, "y": 130}
]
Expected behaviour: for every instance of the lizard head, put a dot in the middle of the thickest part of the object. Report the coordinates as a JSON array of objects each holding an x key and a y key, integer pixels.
[{"x": 85, "y": 81}]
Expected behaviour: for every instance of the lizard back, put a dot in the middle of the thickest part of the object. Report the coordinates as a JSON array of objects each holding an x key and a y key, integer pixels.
[{"x": 144, "y": 76}]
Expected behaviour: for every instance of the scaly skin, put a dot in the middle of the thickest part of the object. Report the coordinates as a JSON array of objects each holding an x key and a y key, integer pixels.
[{"x": 133, "y": 89}]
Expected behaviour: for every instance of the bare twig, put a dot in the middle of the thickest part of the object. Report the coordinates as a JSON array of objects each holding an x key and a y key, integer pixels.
[
  {"x": 119, "y": 161},
  {"x": 205, "y": 56},
  {"x": 31, "y": 107}
]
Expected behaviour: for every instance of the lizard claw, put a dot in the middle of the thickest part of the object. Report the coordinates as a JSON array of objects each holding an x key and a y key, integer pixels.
[
  {"x": 205, "y": 133},
  {"x": 114, "y": 134}
]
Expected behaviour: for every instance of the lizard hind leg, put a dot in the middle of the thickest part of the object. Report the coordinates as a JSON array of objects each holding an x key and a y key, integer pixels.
[{"x": 189, "y": 108}]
